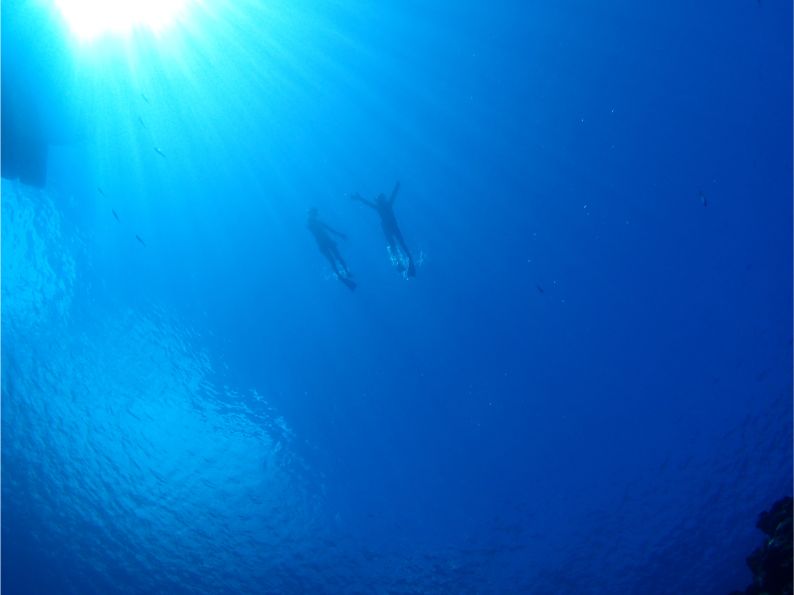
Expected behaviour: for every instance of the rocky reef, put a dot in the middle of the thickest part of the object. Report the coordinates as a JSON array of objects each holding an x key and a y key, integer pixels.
[{"x": 771, "y": 563}]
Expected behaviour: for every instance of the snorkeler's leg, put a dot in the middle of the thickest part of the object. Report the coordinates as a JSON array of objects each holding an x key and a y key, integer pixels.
[
  {"x": 328, "y": 252},
  {"x": 341, "y": 261},
  {"x": 407, "y": 252},
  {"x": 394, "y": 254},
  {"x": 344, "y": 274}
]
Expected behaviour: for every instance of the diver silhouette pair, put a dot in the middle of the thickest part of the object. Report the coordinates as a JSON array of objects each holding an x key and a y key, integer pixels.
[{"x": 395, "y": 244}]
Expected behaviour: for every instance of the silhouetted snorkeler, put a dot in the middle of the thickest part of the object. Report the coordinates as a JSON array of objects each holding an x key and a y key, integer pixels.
[
  {"x": 394, "y": 238},
  {"x": 327, "y": 246}
]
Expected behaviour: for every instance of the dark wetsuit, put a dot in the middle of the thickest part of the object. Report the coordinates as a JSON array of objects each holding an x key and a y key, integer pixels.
[
  {"x": 391, "y": 230},
  {"x": 388, "y": 222},
  {"x": 328, "y": 248}
]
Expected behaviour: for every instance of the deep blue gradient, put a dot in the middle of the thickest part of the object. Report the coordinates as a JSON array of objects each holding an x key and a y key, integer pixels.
[{"x": 586, "y": 388}]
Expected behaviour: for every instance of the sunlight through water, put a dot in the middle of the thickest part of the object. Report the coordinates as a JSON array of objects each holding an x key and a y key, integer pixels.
[{"x": 89, "y": 19}]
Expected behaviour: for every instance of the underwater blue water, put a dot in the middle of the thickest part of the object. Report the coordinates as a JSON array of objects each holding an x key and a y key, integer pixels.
[{"x": 585, "y": 389}]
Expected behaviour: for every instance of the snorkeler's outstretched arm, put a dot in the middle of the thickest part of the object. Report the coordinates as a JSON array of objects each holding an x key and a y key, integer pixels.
[
  {"x": 333, "y": 231},
  {"x": 361, "y": 199},
  {"x": 394, "y": 192}
]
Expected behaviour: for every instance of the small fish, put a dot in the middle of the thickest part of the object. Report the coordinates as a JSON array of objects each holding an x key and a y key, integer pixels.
[
  {"x": 159, "y": 152},
  {"x": 703, "y": 199},
  {"x": 142, "y": 122},
  {"x": 137, "y": 237},
  {"x": 540, "y": 289},
  {"x": 115, "y": 214},
  {"x": 102, "y": 192},
  {"x": 143, "y": 96}
]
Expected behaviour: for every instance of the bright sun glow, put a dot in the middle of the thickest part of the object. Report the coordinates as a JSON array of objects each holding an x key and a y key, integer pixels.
[{"x": 89, "y": 19}]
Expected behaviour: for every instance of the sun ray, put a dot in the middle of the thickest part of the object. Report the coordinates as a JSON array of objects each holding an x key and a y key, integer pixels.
[{"x": 90, "y": 19}]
